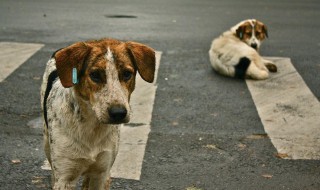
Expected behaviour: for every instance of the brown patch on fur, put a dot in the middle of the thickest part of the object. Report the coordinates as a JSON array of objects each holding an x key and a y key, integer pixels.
[
  {"x": 246, "y": 30},
  {"x": 144, "y": 58},
  {"x": 89, "y": 56},
  {"x": 94, "y": 62},
  {"x": 261, "y": 30},
  {"x": 69, "y": 58}
]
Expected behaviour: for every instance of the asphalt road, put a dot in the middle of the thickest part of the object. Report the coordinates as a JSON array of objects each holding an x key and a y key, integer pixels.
[{"x": 205, "y": 132}]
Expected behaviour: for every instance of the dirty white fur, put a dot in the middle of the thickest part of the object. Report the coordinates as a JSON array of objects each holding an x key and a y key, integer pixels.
[
  {"x": 109, "y": 56},
  {"x": 76, "y": 142},
  {"x": 82, "y": 135}
]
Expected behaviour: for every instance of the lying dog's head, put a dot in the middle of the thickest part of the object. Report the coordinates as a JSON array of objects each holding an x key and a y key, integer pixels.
[
  {"x": 106, "y": 71},
  {"x": 252, "y": 32}
]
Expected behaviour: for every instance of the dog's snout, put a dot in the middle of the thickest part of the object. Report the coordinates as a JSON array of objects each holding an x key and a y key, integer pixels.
[
  {"x": 254, "y": 45},
  {"x": 117, "y": 113}
]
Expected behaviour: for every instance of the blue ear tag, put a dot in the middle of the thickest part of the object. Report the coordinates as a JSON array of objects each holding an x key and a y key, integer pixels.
[{"x": 74, "y": 76}]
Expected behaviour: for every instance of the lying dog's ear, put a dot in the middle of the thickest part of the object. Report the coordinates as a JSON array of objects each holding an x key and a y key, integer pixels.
[
  {"x": 240, "y": 31},
  {"x": 265, "y": 30},
  {"x": 144, "y": 59},
  {"x": 70, "y": 60}
]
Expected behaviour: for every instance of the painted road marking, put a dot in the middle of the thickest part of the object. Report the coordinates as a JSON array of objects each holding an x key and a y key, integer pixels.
[
  {"x": 133, "y": 137},
  {"x": 13, "y": 54},
  {"x": 290, "y": 113}
]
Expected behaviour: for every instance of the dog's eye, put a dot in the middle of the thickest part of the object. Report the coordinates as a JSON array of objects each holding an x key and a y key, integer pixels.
[
  {"x": 257, "y": 33},
  {"x": 127, "y": 75},
  {"x": 97, "y": 76}
]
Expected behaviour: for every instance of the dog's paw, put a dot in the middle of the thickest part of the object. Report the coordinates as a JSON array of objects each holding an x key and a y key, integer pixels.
[{"x": 271, "y": 67}]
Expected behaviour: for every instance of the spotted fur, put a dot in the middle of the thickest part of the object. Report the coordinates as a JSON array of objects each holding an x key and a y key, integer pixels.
[{"x": 81, "y": 131}]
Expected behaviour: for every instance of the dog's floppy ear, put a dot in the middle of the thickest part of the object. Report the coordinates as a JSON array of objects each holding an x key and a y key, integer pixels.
[
  {"x": 240, "y": 31},
  {"x": 143, "y": 58},
  {"x": 69, "y": 60},
  {"x": 265, "y": 30}
]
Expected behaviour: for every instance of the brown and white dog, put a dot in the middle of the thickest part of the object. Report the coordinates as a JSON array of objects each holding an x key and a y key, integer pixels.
[
  {"x": 85, "y": 96},
  {"x": 235, "y": 52}
]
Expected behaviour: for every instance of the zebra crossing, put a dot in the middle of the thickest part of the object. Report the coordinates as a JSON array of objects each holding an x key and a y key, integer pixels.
[{"x": 288, "y": 110}]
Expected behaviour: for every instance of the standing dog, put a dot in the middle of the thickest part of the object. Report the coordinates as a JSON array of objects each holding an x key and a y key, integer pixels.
[
  {"x": 235, "y": 52},
  {"x": 85, "y": 96}
]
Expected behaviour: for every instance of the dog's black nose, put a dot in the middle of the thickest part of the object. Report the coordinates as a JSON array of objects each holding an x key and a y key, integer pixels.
[
  {"x": 254, "y": 46},
  {"x": 117, "y": 113}
]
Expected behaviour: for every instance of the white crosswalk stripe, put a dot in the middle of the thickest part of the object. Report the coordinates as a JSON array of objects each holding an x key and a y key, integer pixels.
[
  {"x": 289, "y": 112},
  {"x": 12, "y": 55},
  {"x": 133, "y": 140}
]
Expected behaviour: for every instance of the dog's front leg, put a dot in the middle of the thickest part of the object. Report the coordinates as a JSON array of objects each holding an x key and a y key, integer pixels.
[
  {"x": 85, "y": 183},
  {"x": 270, "y": 65},
  {"x": 100, "y": 181},
  {"x": 66, "y": 173},
  {"x": 63, "y": 183},
  {"x": 98, "y": 176}
]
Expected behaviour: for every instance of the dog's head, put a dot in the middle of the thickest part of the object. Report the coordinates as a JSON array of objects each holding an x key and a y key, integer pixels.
[
  {"x": 252, "y": 32},
  {"x": 105, "y": 71}
]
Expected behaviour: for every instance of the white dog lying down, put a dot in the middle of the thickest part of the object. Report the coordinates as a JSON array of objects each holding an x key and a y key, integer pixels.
[{"x": 235, "y": 52}]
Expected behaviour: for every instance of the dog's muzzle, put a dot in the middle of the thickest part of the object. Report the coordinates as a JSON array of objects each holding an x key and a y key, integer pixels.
[
  {"x": 254, "y": 46},
  {"x": 118, "y": 114}
]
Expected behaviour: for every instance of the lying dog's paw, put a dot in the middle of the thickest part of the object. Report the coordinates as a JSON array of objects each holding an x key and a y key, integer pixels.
[{"x": 271, "y": 67}]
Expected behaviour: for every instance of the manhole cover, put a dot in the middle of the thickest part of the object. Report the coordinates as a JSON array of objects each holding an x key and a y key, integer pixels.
[{"x": 120, "y": 16}]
